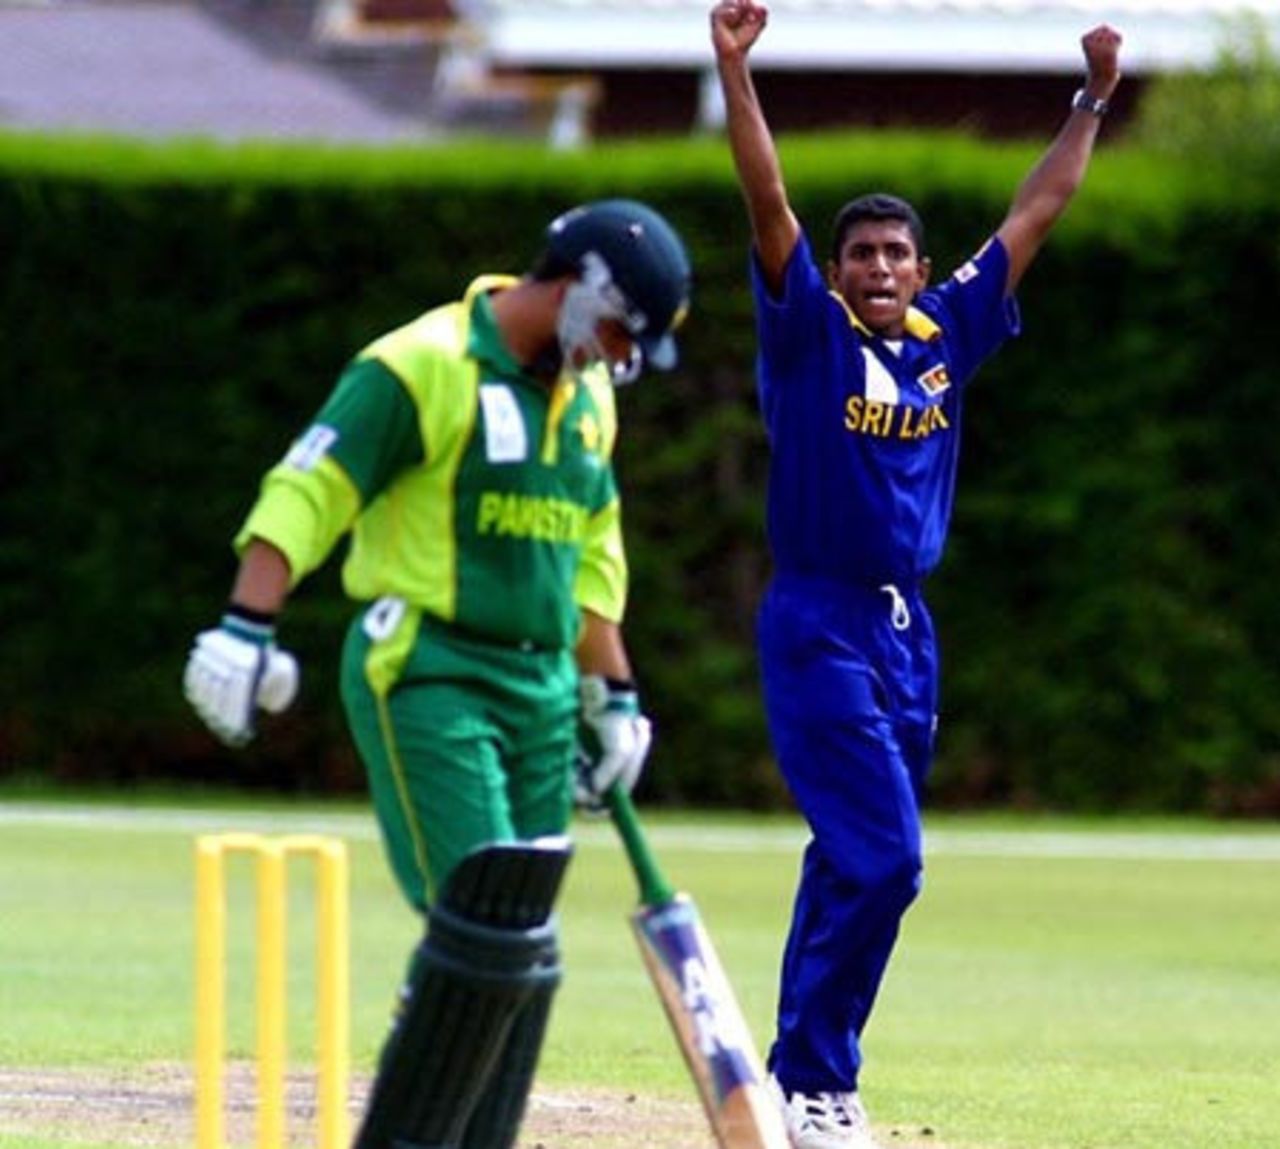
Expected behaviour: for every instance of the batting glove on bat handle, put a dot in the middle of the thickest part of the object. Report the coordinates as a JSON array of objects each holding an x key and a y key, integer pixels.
[
  {"x": 234, "y": 670},
  {"x": 616, "y": 738}
]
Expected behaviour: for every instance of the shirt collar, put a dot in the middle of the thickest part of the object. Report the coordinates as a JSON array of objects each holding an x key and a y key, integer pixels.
[
  {"x": 484, "y": 340},
  {"x": 917, "y": 323}
]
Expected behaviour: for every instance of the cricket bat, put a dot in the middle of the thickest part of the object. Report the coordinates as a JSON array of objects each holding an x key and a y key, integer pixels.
[{"x": 700, "y": 1005}]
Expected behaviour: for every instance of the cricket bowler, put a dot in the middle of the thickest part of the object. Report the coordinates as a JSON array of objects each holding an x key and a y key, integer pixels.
[
  {"x": 468, "y": 456},
  {"x": 862, "y": 372}
]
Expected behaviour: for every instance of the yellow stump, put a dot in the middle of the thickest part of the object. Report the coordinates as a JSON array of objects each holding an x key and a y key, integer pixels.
[{"x": 333, "y": 978}]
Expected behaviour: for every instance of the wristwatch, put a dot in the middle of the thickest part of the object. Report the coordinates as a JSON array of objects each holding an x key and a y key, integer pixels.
[{"x": 1087, "y": 103}]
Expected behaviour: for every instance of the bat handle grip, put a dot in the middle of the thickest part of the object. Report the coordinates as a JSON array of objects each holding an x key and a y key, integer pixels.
[{"x": 655, "y": 890}]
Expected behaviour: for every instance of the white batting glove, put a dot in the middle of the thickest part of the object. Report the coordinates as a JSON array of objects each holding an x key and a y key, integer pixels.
[
  {"x": 233, "y": 671},
  {"x": 617, "y": 739}
]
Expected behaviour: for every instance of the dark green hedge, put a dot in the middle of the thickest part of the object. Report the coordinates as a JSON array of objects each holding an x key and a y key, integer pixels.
[{"x": 174, "y": 314}]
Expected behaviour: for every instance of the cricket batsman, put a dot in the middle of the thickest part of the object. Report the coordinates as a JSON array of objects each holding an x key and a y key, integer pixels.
[
  {"x": 468, "y": 455},
  {"x": 863, "y": 370}
]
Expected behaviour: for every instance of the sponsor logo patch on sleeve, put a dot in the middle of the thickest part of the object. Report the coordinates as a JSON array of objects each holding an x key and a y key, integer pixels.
[
  {"x": 969, "y": 270},
  {"x": 313, "y": 445}
]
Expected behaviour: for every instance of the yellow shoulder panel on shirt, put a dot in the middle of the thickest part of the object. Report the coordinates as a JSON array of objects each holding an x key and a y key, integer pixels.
[
  {"x": 601, "y": 583},
  {"x": 429, "y": 355},
  {"x": 403, "y": 544},
  {"x": 600, "y": 387}
]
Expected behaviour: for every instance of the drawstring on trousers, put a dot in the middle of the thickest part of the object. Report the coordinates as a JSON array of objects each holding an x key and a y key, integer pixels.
[{"x": 899, "y": 614}]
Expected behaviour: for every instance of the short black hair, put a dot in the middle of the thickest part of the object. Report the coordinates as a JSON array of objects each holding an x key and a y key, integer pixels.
[
  {"x": 876, "y": 206},
  {"x": 551, "y": 265}
]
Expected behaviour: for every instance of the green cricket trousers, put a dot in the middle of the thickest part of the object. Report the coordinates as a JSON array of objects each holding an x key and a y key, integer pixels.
[{"x": 464, "y": 741}]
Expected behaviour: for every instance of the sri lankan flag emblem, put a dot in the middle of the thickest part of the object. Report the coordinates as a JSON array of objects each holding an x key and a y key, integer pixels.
[{"x": 935, "y": 381}]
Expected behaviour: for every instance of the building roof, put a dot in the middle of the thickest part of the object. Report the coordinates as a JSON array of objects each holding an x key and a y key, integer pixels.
[
  {"x": 176, "y": 68},
  {"x": 896, "y": 35},
  {"x": 223, "y": 68}
]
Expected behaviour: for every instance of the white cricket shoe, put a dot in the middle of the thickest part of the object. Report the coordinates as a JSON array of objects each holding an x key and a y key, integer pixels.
[{"x": 824, "y": 1120}]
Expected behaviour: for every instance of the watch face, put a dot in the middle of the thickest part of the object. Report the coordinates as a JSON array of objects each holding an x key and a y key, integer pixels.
[{"x": 1088, "y": 103}]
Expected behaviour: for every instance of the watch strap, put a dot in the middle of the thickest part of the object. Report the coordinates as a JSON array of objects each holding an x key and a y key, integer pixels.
[{"x": 1084, "y": 102}]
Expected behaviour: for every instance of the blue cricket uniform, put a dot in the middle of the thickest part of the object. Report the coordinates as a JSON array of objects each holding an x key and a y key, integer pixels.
[{"x": 864, "y": 436}]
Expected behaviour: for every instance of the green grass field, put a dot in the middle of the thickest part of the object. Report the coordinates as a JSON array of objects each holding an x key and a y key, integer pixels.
[{"x": 1060, "y": 985}]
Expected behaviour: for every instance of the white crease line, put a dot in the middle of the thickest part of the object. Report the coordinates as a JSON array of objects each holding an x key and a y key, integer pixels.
[{"x": 1088, "y": 845}]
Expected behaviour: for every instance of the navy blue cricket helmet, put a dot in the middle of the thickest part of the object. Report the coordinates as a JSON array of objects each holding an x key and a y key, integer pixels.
[{"x": 646, "y": 261}]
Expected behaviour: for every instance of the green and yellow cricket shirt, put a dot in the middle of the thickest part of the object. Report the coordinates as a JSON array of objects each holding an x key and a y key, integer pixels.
[{"x": 480, "y": 496}]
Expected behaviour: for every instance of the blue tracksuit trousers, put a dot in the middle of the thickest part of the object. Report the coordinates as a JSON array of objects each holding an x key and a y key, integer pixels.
[{"x": 850, "y": 688}]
